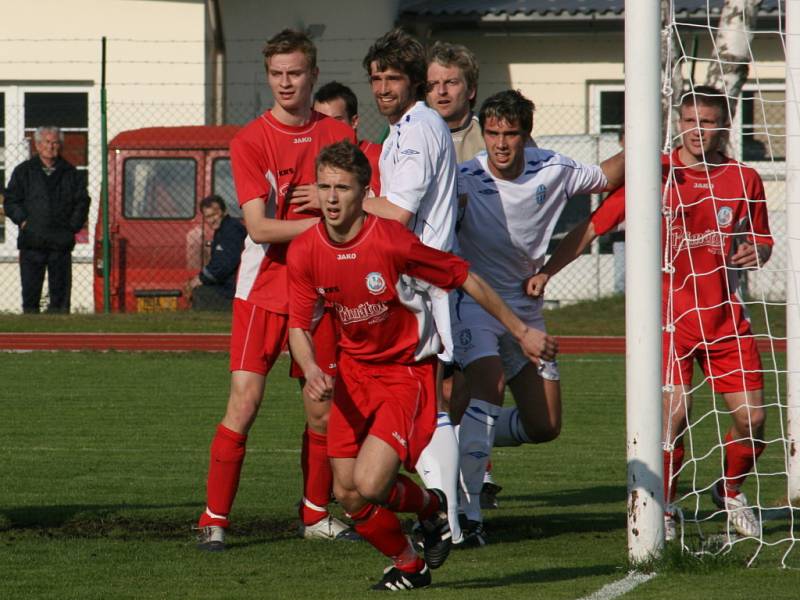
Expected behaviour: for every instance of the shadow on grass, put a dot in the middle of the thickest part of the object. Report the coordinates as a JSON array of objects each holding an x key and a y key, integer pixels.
[
  {"x": 519, "y": 528},
  {"x": 540, "y": 576},
  {"x": 600, "y": 494},
  {"x": 124, "y": 521}
]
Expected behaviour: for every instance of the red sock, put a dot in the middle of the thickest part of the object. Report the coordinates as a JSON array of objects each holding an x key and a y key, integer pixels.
[
  {"x": 381, "y": 528},
  {"x": 740, "y": 456},
  {"x": 407, "y": 496},
  {"x": 225, "y": 466},
  {"x": 317, "y": 477},
  {"x": 489, "y": 466},
  {"x": 672, "y": 464}
]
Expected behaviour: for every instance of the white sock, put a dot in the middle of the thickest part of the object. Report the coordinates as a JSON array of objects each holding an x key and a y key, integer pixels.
[
  {"x": 509, "y": 430},
  {"x": 438, "y": 468},
  {"x": 475, "y": 444}
]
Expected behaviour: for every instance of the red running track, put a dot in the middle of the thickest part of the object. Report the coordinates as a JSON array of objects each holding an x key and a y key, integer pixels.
[{"x": 218, "y": 342}]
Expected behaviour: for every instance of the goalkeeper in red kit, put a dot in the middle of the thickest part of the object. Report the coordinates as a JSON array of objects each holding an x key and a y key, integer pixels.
[
  {"x": 361, "y": 267},
  {"x": 715, "y": 226}
]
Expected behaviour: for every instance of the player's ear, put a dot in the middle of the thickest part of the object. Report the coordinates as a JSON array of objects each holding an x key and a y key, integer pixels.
[
  {"x": 354, "y": 122},
  {"x": 314, "y": 75}
]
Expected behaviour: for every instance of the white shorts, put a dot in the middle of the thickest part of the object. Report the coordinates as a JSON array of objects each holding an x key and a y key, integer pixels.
[{"x": 477, "y": 334}]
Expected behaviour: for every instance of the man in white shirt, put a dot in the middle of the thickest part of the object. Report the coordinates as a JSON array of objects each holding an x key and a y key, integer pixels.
[
  {"x": 418, "y": 188},
  {"x": 514, "y": 197}
]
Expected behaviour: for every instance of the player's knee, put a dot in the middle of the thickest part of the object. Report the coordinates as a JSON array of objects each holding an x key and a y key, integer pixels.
[
  {"x": 347, "y": 498},
  {"x": 750, "y": 422},
  {"x": 372, "y": 489},
  {"x": 318, "y": 422},
  {"x": 544, "y": 431}
]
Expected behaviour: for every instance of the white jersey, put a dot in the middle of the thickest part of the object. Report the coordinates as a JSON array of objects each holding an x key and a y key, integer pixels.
[
  {"x": 507, "y": 225},
  {"x": 418, "y": 173}
]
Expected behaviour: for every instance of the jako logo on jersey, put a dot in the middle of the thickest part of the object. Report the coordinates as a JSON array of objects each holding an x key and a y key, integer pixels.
[
  {"x": 302, "y": 140},
  {"x": 702, "y": 186},
  {"x": 409, "y": 152},
  {"x": 724, "y": 216},
  {"x": 346, "y": 256},
  {"x": 375, "y": 283},
  {"x": 488, "y": 191},
  {"x": 465, "y": 337},
  {"x": 541, "y": 193}
]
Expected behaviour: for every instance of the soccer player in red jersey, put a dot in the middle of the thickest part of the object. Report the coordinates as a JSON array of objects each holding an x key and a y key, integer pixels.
[
  {"x": 718, "y": 226},
  {"x": 339, "y": 102},
  {"x": 384, "y": 400},
  {"x": 270, "y": 156}
]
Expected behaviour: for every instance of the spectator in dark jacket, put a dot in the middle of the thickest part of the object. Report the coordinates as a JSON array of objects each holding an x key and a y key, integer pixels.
[
  {"x": 47, "y": 199},
  {"x": 214, "y": 286}
]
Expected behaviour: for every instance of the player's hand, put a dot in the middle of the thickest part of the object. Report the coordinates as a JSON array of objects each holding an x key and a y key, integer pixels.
[
  {"x": 745, "y": 257},
  {"x": 537, "y": 345},
  {"x": 319, "y": 385},
  {"x": 535, "y": 285},
  {"x": 304, "y": 198}
]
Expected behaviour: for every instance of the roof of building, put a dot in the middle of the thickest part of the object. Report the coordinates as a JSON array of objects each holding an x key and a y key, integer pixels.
[
  {"x": 196, "y": 137},
  {"x": 580, "y": 9}
]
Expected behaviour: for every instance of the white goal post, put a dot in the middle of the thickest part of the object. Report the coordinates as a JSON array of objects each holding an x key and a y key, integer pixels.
[
  {"x": 643, "y": 279},
  {"x": 793, "y": 238}
]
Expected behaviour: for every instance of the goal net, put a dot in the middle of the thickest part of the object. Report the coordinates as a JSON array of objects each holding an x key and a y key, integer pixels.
[{"x": 727, "y": 267}]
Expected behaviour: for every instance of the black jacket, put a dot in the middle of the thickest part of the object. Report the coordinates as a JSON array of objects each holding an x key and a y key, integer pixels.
[
  {"x": 226, "y": 252},
  {"x": 55, "y": 206}
]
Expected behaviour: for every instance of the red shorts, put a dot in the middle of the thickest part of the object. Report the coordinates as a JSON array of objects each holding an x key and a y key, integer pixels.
[
  {"x": 258, "y": 336},
  {"x": 325, "y": 341},
  {"x": 395, "y": 403},
  {"x": 731, "y": 364}
]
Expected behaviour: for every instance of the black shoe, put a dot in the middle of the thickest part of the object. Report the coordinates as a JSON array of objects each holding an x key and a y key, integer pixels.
[
  {"x": 474, "y": 536},
  {"x": 436, "y": 535},
  {"x": 489, "y": 493},
  {"x": 211, "y": 539},
  {"x": 395, "y": 580}
]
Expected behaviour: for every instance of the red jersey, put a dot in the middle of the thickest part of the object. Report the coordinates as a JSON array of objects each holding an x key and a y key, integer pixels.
[
  {"x": 383, "y": 317},
  {"x": 373, "y": 153},
  {"x": 707, "y": 212},
  {"x": 268, "y": 158}
]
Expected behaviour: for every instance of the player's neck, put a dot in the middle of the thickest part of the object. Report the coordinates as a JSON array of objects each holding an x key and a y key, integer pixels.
[
  {"x": 346, "y": 232},
  {"x": 510, "y": 173},
  {"x": 294, "y": 118},
  {"x": 460, "y": 122},
  {"x": 396, "y": 117},
  {"x": 699, "y": 163}
]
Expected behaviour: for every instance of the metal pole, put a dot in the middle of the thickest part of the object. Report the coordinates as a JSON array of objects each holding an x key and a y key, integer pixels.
[
  {"x": 104, "y": 185},
  {"x": 643, "y": 279},
  {"x": 793, "y": 242}
]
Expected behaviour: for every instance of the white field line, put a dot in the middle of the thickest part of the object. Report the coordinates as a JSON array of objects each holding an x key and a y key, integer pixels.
[{"x": 618, "y": 588}]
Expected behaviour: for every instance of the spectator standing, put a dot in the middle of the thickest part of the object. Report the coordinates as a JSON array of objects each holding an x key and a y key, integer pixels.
[{"x": 47, "y": 199}]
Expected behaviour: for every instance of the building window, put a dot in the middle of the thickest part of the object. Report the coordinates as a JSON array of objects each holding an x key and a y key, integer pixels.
[
  {"x": 612, "y": 111},
  {"x": 763, "y": 117}
]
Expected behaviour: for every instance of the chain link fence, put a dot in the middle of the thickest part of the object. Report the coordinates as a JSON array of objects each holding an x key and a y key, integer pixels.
[{"x": 156, "y": 179}]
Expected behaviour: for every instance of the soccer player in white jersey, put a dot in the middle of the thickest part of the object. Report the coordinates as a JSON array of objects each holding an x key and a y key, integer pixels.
[
  {"x": 418, "y": 189},
  {"x": 514, "y": 196}
]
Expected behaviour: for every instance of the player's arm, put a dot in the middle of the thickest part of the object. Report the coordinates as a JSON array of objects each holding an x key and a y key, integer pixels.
[
  {"x": 614, "y": 170},
  {"x": 381, "y": 206},
  {"x": 265, "y": 230},
  {"x": 319, "y": 385},
  {"x": 570, "y": 248},
  {"x": 535, "y": 344}
]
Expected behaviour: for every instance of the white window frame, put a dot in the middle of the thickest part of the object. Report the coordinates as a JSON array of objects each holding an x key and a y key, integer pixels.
[
  {"x": 595, "y": 89},
  {"x": 736, "y": 126},
  {"x": 14, "y": 93}
]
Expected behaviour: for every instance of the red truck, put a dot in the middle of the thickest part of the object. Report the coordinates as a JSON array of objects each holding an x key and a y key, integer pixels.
[{"x": 156, "y": 179}]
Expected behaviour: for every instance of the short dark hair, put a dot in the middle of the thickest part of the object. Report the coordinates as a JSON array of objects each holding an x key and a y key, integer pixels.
[
  {"x": 333, "y": 90},
  {"x": 398, "y": 50},
  {"x": 208, "y": 201},
  {"x": 456, "y": 55},
  {"x": 347, "y": 157},
  {"x": 707, "y": 95},
  {"x": 509, "y": 106},
  {"x": 288, "y": 41}
]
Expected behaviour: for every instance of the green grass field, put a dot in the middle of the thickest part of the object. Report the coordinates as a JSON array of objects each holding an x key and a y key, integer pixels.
[{"x": 105, "y": 456}]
